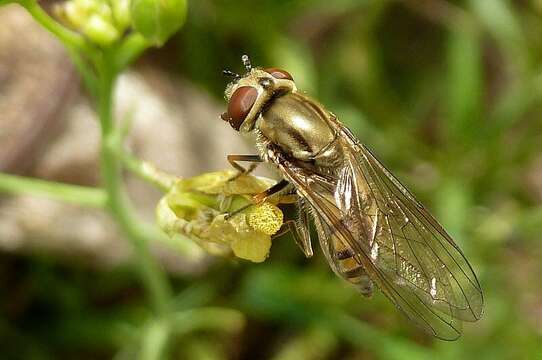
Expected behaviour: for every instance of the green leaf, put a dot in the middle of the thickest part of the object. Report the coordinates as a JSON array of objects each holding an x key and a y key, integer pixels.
[
  {"x": 154, "y": 340},
  {"x": 465, "y": 82},
  {"x": 157, "y": 20},
  {"x": 453, "y": 204},
  {"x": 295, "y": 57},
  {"x": 314, "y": 343},
  {"x": 206, "y": 318},
  {"x": 500, "y": 20},
  {"x": 362, "y": 335}
]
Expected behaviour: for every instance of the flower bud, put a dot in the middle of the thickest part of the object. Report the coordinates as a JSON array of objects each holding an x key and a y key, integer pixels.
[
  {"x": 104, "y": 11},
  {"x": 87, "y": 6},
  {"x": 121, "y": 13},
  {"x": 99, "y": 31},
  {"x": 157, "y": 20},
  {"x": 74, "y": 14},
  {"x": 103, "y": 22}
]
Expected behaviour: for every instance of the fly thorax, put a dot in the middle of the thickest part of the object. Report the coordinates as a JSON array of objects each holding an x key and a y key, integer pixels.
[{"x": 296, "y": 125}]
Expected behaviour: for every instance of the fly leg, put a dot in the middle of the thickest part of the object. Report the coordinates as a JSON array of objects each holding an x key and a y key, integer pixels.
[
  {"x": 288, "y": 200},
  {"x": 300, "y": 235},
  {"x": 264, "y": 195},
  {"x": 235, "y": 159},
  {"x": 297, "y": 226},
  {"x": 261, "y": 197}
]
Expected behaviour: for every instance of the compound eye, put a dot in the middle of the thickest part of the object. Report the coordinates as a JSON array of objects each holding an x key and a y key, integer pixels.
[
  {"x": 241, "y": 103},
  {"x": 279, "y": 73}
]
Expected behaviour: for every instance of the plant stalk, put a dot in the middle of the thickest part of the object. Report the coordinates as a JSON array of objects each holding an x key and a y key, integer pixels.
[
  {"x": 74, "y": 194},
  {"x": 118, "y": 204}
]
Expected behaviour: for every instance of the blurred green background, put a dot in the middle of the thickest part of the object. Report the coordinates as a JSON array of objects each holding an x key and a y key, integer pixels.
[{"x": 448, "y": 94}]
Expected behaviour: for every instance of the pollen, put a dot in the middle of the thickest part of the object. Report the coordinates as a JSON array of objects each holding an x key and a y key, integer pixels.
[{"x": 266, "y": 218}]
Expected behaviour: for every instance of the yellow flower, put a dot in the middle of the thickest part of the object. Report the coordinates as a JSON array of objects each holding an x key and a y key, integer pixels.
[
  {"x": 266, "y": 218},
  {"x": 198, "y": 208}
]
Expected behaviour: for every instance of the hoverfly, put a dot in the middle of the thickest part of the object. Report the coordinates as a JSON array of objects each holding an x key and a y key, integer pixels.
[{"x": 371, "y": 228}]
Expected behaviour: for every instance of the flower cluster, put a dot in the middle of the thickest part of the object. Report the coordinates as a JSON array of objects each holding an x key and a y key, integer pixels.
[
  {"x": 104, "y": 22},
  {"x": 216, "y": 211}
]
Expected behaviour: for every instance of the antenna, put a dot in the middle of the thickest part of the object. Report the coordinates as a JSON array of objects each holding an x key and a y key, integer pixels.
[
  {"x": 246, "y": 62},
  {"x": 231, "y": 74}
]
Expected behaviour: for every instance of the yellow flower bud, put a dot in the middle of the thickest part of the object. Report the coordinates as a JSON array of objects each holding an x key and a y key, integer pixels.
[
  {"x": 75, "y": 14},
  {"x": 101, "y": 21},
  {"x": 121, "y": 13},
  {"x": 103, "y": 10},
  {"x": 87, "y": 6},
  {"x": 99, "y": 31}
]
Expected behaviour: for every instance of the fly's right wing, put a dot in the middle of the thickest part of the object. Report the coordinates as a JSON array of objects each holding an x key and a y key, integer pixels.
[{"x": 402, "y": 248}]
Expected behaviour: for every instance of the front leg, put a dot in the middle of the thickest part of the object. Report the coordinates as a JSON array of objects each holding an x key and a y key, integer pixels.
[
  {"x": 264, "y": 195},
  {"x": 254, "y": 159},
  {"x": 261, "y": 197}
]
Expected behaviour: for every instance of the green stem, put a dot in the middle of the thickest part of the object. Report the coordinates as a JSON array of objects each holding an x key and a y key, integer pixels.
[
  {"x": 129, "y": 50},
  {"x": 80, "y": 195},
  {"x": 148, "y": 172},
  {"x": 118, "y": 204},
  {"x": 70, "y": 39},
  {"x": 88, "y": 76},
  {"x": 155, "y": 340},
  {"x": 206, "y": 318}
]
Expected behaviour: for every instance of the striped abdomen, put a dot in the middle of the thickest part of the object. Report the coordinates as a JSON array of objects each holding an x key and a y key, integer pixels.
[{"x": 351, "y": 270}]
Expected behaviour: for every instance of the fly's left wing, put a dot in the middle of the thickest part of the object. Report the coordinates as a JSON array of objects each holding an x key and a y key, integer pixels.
[{"x": 402, "y": 248}]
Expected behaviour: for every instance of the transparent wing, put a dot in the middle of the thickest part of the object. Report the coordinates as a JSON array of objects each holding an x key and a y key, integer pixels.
[
  {"x": 424, "y": 255},
  {"x": 401, "y": 246}
]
